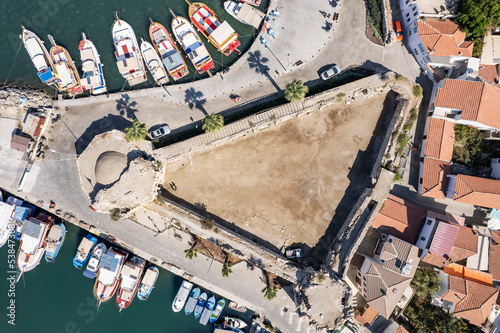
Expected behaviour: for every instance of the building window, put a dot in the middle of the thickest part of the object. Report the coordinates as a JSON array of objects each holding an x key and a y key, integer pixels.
[
  {"x": 421, "y": 180},
  {"x": 421, "y": 47},
  {"x": 407, "y": 14},
  {"x": 407, "y": 20},
  {"x": 422, "y": 238},
  {"x": 409, "y": 32},
  {"x": 415, "y": 51}
]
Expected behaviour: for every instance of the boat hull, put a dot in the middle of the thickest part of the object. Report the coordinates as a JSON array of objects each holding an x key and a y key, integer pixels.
[
  {"x": 201, "y": 305},
  {"x": 50, "y": 256},
  {"x": 28, "y": 260},
  {"x": 200, "y": 13},
  {"x": 192, "y": 301},
  {"x": 207, "y": 311},
  {"x": 42, "y": 61},
  {"x": 125, "y": 296},
  {"x": 102, "y": 292},
  {"x": 67, "y": 78},
  {"x": 93, "y": 77},
  {"x": 182, "y": 295},
  {"x": 145, "y": 291},
  {"x": 127, "y": 53},
  {"x": 217, "y": 311},
  {"x": 159, "y": 35},
  {"x": 153, "y": 63},
  {"x": 182, "y": 30},
  {"x": 95, "y": 259},
  {"x": 79, "y": 260}
]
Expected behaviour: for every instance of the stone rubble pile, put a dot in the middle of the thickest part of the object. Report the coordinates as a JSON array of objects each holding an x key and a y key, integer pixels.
[{"x": 23, "y": 97}]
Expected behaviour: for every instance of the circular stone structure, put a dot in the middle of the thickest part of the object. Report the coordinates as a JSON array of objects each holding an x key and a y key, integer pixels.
[{"x": 109, "y": 166}]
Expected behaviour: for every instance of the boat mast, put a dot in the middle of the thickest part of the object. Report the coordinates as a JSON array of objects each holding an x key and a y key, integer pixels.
[
  {"x": 117, "y": 19},
  {"x": 151, "y": 20},
  {"x": 172, "y": 12},
  {"x": 189, "y": 3}
]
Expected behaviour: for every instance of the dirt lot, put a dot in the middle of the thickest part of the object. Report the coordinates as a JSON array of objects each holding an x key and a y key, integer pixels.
[{"x": 282, "y": 185}]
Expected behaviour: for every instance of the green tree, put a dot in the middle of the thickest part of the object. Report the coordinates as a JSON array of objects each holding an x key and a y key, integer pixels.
[
  {"x": 296, "y": 91},
  {"x": 425, "y": 282},
  {"x": 226, "y": 269},
  {"x": 213, "y": 123},
  {"x": 115, "y": 214},
  {"x": 191, "y": 253},
  {"x": 467, "y": 143},
  {"x": 475, "y": 16},
  {"x": 270, "y": 292},
  {"x": 136, "y": 132}
]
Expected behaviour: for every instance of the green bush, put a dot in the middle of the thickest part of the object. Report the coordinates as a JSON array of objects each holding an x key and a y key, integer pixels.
[
  {"x": 411, "y": 120},
  {"x": 115, "y": 214},
  {"x": 402, "y": 140},
  {"x": 374, "y": 16},
  {"x": 400, "y": 77},
  {"x": 397, "y": 176},
  {"x": 418, "y": 91},
  {"x": 467, "y": 143},
  {"x": 340, "y": 96}
]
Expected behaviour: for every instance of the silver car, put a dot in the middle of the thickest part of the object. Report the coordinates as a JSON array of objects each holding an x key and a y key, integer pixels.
[
  {"x": 330, "y": 72},
  {"x": 162, "y": 131}
]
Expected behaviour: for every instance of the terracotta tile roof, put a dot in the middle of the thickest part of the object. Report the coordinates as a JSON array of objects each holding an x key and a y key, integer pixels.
[
  {"x": 490, "y": 73},
  {"x": 368, "y": 316},
  {"x": 495, "y": 237},
  {"x": 443, "y": 38},
  {"x": 478, "y": 191},
  {"x": 473, "y": 301},
  {"x": 477, "y": 100},
  {"x": 400, "y": 218},
  {"x": 440, "y": 139},
  {"x": 405, "y": 253},
  {"x": 495, "y": 262},
  {"x": 469, "y": 274},
  {"x": 434, "y": 180},
  {"x": 401, "y": 329},
  {"x": 465, "y": 244}
]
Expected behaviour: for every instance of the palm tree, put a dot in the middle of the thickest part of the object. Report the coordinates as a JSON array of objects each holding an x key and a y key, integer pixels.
[
  {"x": 191, "y": 253},
  {"x": 213, "y": 123},
  {"x": 136, "y": 132},
  {"x": 296, "y": 91},
  {"x": 270, "y": 292},
  {"x": 226, "y": 269}
]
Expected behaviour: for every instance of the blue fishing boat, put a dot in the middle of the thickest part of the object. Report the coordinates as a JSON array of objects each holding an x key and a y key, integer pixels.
[
  {"x": 201, "y": 305},
  {"x": 217, "y": 311},
  {"x": 54, "y": 241},
  {"x": 224, "y": 329},
  {"x": 192, "y": 301},
  {"x": 207, "y": 311},
  {"x": 95, "y": 261},
  {"x": 148, "y": 283},
  {"x": 83, "y": 252}
]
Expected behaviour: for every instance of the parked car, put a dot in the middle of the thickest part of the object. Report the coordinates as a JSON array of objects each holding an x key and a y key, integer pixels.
[
  {"x": 330, "y": 72},
  {"x": 162, "y": 131},
  {"x": 399, "y": 32}
]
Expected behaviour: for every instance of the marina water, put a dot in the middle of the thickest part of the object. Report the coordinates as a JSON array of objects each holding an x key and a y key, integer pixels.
[
  {"x": 66, "y": 20},
  {"x": 57, "y": 298}
]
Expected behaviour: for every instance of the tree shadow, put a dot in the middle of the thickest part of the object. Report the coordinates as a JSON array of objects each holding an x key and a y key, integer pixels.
[
  {"x": 126, "y": 107},
  {"x": 258, "y": 63},
  {"x": 195, "y": 100}
]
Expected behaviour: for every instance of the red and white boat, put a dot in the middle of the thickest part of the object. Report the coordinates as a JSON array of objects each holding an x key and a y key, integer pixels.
[
  {"x": 220, "y": 34},
  {"x": 130, "y": 280},
  {"x": 108, "y": 277},
  {"x": 168, "y": 51},
  {"x": 67, "y": 78},
  {"x": 252, "y": 2},
  {"x": 32, "y": 247}
]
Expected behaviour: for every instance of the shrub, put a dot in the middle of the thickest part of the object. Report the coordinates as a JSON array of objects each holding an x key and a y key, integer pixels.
[
  {"x": 400, "y": 77},
  {"x": 212, "y": 123},
  {"x": 273, "y": 117},
  {"x": 467, "y": 141},
  {"x": 401, "y": 142},
  {"x": 397, "y": 176},
  {"x": 418, "y": 91},
  {"x": 208, "y": 224},
  {"x": 411, "y": 120},
  {"x": 340, "y": 96},
  {"x": 321, "y": 277},
  {"x": 115, "y": 214}
]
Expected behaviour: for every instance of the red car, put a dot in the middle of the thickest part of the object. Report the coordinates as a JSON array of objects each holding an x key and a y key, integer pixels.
[{"x": 399, "y": 32}]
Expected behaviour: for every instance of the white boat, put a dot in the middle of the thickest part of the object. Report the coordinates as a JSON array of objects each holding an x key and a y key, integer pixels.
[
  {"x": 39, "y": 56},
  {"x": 94, "y": 261},
  {"x": 92, "y": 78},
  {"x": 190, "y": 42},
  {"x": 7, "y": 225},
  {"x": 244, "y": 13},
  {"x": 31, "y": 249},
  {"x": 234, "y": 322},
  {"x": 182, "y": 295},
  {"x": 108, "y": 277},
  {"x": 131, "y": 275},
  {"x": 148, "y": 283},
  {"x": 127, "y": 53},
  {"x": 153, "y": 63}
]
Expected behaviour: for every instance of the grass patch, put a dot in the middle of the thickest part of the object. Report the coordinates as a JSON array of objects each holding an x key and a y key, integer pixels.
[
  {"x": 340, "y": 96},
  {"x": 418, "y": 91},
  {"x": 208, "y": 224},
  {"x": 397, "y": 176},
  {"x": 411, "y": 120},
  {"x": 402, "y": 141},
  {"x": 400, "y": 77}
]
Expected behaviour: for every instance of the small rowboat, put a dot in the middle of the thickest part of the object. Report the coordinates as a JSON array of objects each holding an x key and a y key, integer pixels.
[{"x": 217, "y": 311}]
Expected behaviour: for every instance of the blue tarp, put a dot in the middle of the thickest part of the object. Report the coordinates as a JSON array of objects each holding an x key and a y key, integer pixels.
[
  {"x": 20, "y": 213},
  {"x": 45, "y": 76},
  {"x": 494, "y": 214}
]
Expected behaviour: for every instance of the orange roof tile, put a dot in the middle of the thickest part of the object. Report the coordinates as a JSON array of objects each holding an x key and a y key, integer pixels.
[
  {"x": 465, "y": 244},
  {"x": 440, "y": 139},
  {"x": 477, "y": 100},
  {"x": 368, "y": 316},
  {"x": 477, "y": 303},
  {"x": 401, "y": 329},
  {"x": 495, "y": 262},
  {"x": 478, "y": 191},
  {"x": 489, "y": 73},
  {"x": 434, "y": 180},
  {"x": 400, "y": 218},
  {"x": 443, "y": 38}
]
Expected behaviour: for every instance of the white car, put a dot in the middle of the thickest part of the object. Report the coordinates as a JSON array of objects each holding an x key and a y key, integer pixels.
[
  {"x": 330, "y": 72},
  {"x": 162, "y": 131}
]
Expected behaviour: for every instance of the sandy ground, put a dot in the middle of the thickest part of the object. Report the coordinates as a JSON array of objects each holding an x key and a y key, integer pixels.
[{"x": 283, "y": 184}]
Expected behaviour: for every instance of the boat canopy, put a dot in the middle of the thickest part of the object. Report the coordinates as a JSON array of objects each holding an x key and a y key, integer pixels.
[
  {"x": 31, "y": 228},
  {"x": 224, "y": 35},
  {"x": 110, "y": 263},
  {"x": 149, "y": 277},
  {"x": 6, "y": 212},
  {"x": 63, "y": 74},
  {"x": 172, "y": 59},
  {"x": 130, "y": 275},
  {"x": 250, "y": 15},
  {"x": 45, "y": 75},
  {"x": 20, "y": 213},
  {"x": 36, "y": 53}
]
